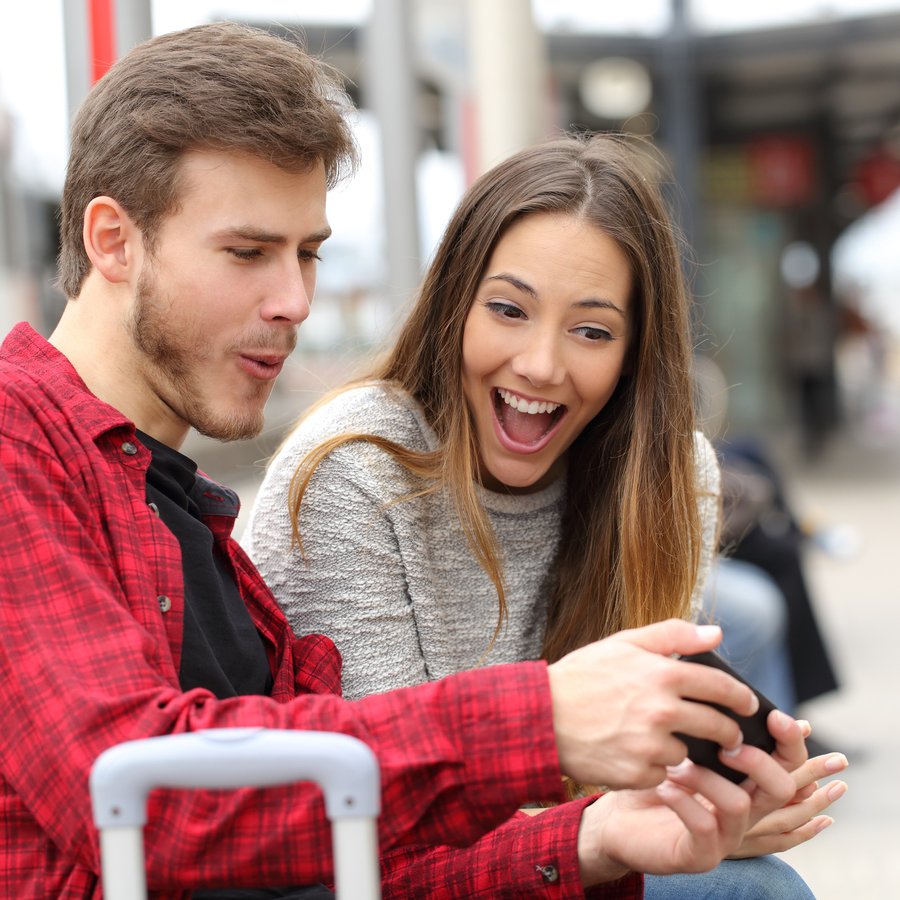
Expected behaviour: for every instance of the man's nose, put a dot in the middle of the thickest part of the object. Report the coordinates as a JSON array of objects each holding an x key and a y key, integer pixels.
[{"x": 290, "y": 297}]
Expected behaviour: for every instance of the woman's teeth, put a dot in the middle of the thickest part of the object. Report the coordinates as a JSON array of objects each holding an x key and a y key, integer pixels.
[{"x": 527, "y": 406}]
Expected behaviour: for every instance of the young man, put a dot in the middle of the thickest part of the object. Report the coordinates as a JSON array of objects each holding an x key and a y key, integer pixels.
[{"x": 192, "y": 216}]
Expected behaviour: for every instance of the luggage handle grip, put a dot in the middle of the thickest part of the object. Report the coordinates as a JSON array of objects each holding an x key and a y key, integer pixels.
[{"x": 343, "y": 766}]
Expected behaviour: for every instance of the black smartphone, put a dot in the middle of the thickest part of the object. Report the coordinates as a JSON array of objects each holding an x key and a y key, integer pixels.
[{"x": 754, "y": 728}]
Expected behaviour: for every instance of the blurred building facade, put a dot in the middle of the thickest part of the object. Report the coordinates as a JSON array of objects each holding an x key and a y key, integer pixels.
[{"x": 777, "y": 139}]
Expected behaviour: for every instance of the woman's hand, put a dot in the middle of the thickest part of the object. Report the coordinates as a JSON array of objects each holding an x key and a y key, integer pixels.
[{"x": 801, "y": 818}]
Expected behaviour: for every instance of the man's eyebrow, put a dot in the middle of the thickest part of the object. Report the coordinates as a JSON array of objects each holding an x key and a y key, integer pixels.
[
  {"x": 587, "y": 303},
  {"x": 261, "y": 236}
]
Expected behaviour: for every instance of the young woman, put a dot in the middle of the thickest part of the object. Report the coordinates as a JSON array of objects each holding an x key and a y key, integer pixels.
[
  {"x": 529, "y": 440},
  {"x": 522, "y": 471}
]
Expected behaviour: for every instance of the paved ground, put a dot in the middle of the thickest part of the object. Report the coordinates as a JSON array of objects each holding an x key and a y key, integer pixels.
[{"x": 859, "y": 605}]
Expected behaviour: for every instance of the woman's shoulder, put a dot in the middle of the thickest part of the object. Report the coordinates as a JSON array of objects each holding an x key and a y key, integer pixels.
[
  {"x": 376, "y": 408},
  {"x": 706, "y": 462}
]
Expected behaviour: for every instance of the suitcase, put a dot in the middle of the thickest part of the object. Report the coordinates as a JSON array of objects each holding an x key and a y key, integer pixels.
[{"x": 344, "y": 767}]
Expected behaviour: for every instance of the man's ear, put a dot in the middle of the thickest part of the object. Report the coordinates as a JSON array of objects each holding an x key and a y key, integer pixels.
[{"x": 111, "y": 239}]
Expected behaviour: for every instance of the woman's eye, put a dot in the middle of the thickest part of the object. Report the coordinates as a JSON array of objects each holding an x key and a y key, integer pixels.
[
  {"x": 507, "y": 310},
  {"x": 592, "y": 333}
]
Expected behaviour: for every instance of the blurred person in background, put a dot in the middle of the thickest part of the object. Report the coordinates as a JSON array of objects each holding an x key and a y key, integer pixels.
[
  {"x": 192, "y": 219},
  {"x": 759, "y": 592},
  {"x": 808, "y": 331},
  {"x": 761, "y": 529},
  {"x": 521, "y": 475}
]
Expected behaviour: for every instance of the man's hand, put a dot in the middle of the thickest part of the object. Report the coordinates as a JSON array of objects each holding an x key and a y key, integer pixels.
[
  {"x": 617, "y": 702},
  {"x": 695, "y": 818}
]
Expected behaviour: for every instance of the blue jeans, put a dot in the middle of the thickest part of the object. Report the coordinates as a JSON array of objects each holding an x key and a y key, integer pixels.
[{"x": 760, "y": 878}]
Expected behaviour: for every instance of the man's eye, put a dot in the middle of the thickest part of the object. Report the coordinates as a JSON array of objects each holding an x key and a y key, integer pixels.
[
  {"x": 246, "y": 253},
  {"x": 309, "y": 254}
]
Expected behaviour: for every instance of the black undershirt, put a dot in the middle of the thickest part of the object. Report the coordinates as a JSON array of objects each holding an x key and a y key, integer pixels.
[{"x": 222, "y": 650}]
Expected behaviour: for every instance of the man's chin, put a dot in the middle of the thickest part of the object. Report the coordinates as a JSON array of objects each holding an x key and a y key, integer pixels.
[{"x": 230, "y": 430}]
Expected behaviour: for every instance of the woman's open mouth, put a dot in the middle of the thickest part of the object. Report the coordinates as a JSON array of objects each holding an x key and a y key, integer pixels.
[{"x": 522, "y": 425}]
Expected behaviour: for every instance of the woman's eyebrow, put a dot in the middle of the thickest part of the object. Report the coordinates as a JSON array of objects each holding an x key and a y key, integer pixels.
[
  {"x": 514, "y": 281},
  {"x": 587, "y": 303},
  {"x": 600, "y": 303}
]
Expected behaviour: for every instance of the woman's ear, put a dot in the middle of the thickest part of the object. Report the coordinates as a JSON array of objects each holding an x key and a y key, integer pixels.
[{"x": 111, "y": 239}]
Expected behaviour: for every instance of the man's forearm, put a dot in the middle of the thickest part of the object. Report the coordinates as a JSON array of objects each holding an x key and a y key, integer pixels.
[{"x": 526, "y": 856}]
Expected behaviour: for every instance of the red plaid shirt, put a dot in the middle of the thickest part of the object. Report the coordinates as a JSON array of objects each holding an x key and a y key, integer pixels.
[{"x": 92, "y": 600}]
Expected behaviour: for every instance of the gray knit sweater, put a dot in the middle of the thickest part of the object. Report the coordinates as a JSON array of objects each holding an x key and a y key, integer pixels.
[{"x": 395, "y": 584}]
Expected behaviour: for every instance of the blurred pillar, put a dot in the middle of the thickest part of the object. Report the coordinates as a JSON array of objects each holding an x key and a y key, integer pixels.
[
  {"x": 681, "y": 119},
  {"x": 76, "y": 24},
  {"x": 96, "y": 33},
  {"x": 508, "y": 76},
  {"x": 391, "y": 95},
  {"x": 133, "y": 24},
  {"x": 12, "y": 306}
]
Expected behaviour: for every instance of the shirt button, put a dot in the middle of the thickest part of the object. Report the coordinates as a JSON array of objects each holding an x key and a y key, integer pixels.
[
  {"x": 129, "y": 448},
  {"x": 165, "y": 604},
  {"x": 550, "y": 874}
]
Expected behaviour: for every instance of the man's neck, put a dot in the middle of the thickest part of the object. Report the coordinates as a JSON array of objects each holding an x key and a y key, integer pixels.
[{"x": 101, "y": 352}]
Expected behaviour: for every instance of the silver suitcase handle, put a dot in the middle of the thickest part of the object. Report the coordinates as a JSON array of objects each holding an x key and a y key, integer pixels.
[{"x": 221, "y": 758}]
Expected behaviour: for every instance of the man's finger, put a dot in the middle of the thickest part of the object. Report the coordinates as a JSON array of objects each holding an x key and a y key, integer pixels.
[{"x": 673, "y": 636}]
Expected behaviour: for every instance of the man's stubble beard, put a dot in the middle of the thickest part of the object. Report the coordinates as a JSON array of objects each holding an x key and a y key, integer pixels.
[{"x": 170, "y": 367}]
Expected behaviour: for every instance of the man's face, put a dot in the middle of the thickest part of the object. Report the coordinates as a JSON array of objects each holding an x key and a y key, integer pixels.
[{"x": 217, "y": 304}]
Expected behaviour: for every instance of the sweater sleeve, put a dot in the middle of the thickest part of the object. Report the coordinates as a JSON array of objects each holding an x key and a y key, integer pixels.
[{"x": 709, "y": 499}]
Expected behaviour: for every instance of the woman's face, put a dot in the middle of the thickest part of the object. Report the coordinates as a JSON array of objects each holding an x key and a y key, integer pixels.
[{"x": 544, "y": 345}]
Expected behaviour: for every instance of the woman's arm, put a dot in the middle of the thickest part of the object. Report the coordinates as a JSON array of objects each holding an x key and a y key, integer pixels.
[
  {"x": 351, "y": 581},
  {"x": 708, "y": 490}
]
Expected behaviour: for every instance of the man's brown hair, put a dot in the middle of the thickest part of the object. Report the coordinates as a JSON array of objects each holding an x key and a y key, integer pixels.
[{"x": 222, "y": 87}]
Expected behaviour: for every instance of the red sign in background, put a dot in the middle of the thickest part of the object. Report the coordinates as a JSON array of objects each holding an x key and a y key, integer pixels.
[{"x": 782, "y": 170}]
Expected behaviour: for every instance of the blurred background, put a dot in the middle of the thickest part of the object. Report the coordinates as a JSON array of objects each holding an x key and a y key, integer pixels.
[{"x": 781, "y": 125}]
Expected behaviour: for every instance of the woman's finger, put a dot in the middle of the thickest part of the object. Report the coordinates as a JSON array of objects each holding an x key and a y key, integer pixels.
[
  {"x": 819, "y": 767},
  {"x": 778, "y": 843},
  {"x": 797, "y": 814}
]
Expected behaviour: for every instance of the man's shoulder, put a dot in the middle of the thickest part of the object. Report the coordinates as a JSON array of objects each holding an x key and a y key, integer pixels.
[
  {"x": 22, "y": 396},
  {"x": 27, "y": 372}
]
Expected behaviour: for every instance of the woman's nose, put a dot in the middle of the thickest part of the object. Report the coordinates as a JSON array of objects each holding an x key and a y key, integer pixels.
[{"x": 539, "y": 361}]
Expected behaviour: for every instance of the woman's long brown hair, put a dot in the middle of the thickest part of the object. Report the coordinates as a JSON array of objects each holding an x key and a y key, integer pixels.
[{"x": 629, "y": 548}]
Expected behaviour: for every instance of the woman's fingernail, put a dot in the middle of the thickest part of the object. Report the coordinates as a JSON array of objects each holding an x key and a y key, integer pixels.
[
  {"x": 733, "y": 751},
  {"x": 836, "y": 762},
  {"x": 708, "y": 632},
  {"x": 836, "y": 790},
  {"x": 823, "y": 823}
]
